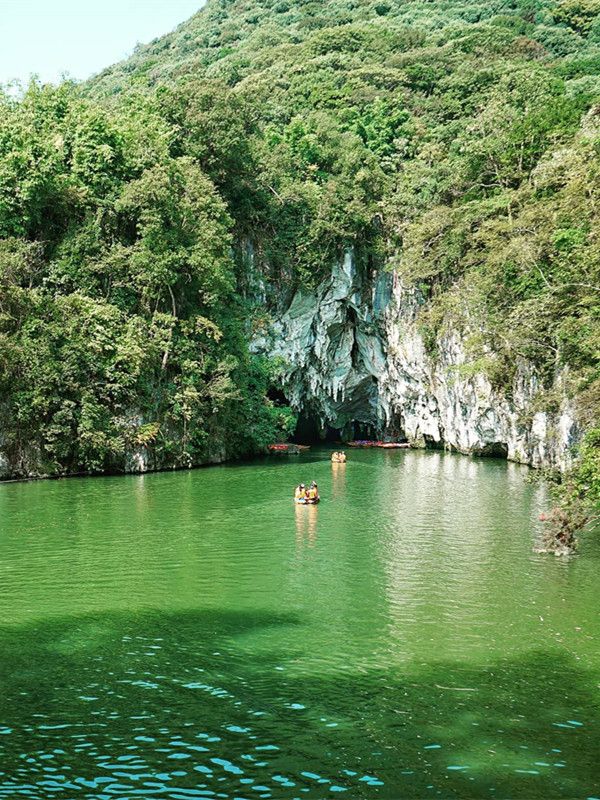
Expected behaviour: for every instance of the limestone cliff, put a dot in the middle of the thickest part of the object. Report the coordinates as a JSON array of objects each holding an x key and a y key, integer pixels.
[{"x": 354, "y": 362}]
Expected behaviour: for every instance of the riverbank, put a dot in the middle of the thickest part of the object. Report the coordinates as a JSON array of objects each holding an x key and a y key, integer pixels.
[{"x": 141, "y": 464}]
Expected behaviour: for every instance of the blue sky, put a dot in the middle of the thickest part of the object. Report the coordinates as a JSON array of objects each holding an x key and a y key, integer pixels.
[{"x": 79, "y": 37}]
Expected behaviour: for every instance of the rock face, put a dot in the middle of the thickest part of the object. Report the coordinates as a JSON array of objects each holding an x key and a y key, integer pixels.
[{"x": 355, "y": 364}]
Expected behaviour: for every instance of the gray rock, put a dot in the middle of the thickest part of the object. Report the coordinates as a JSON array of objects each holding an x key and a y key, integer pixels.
[{"x": 352, "y": 352}]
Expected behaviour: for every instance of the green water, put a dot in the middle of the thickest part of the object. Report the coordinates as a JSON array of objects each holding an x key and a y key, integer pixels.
[{"x": 196, "y": 635}]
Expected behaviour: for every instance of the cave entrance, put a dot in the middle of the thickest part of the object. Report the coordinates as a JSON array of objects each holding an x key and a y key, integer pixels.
[
  {"x": 494, "y": 450},
  {"x": 394, "y": 430},
  {"x": 363, "y": 431},
  {"x": 433, "y": 444},
  {"x": 309, "y": 431}
]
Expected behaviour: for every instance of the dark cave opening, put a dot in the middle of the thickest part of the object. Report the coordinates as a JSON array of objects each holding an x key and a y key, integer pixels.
[
  {"x": 363, "y": 431},
  {"x": 309, "y": 431},
  {"x": 494, "y": 450}
]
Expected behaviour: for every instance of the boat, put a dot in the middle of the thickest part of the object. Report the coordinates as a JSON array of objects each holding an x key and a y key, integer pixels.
[
  {"x": 383, "y": 445},
  {"x": 308, "y": 502},
  {"x": 288, "y": 449}
]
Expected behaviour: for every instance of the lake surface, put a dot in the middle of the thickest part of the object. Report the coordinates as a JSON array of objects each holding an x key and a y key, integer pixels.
[{"x": 197, "y": 635}]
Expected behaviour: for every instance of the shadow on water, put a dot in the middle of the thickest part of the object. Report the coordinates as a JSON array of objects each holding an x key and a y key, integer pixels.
[{"x": 173, "y": 706}]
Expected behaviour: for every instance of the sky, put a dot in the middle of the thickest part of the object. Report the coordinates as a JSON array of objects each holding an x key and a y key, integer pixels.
[{"x": 78, "y": 38}]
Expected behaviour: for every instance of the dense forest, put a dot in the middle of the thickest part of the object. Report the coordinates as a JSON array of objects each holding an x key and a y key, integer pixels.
[{"x": 455, "y": 142}]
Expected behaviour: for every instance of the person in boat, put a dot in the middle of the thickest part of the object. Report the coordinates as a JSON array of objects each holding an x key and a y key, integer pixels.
[
  {"x": 339, "y": 458},
  {"x": 300, "y": 493},
  {"x": 313, "y": 493}
]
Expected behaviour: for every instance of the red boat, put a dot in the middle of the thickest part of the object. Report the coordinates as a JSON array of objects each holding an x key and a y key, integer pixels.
[
  {"x": 289, "y": 449},
  {"x": 384, "y": 445}
]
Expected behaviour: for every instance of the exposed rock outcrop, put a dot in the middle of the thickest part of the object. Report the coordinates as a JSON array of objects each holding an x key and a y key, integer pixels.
[{"x": 355, "y": 360}]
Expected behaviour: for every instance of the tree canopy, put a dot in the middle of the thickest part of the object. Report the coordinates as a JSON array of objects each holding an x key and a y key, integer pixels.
[{"x": 456, "y": 142}]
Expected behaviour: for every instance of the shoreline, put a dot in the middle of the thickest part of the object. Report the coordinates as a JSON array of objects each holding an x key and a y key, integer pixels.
[{"x": 231, "y": 461}]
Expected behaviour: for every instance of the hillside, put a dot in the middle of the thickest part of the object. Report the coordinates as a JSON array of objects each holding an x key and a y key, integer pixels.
[
  {"x": 453, "y": 140},
  {"x": 452, "y": 144}
]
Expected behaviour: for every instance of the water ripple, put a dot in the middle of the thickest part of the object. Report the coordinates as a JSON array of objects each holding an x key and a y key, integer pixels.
[{"x": 196, "y": 635}]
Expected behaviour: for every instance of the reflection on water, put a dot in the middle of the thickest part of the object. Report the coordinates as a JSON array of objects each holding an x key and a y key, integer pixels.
[
  {"x": 306, "y": 524},
  {"x": 200, "y": 635},
  {"x": 338, "y": 482}
]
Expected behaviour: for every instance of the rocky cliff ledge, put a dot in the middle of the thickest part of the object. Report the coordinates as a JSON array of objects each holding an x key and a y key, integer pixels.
[{"x": 355, "y": 363}]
